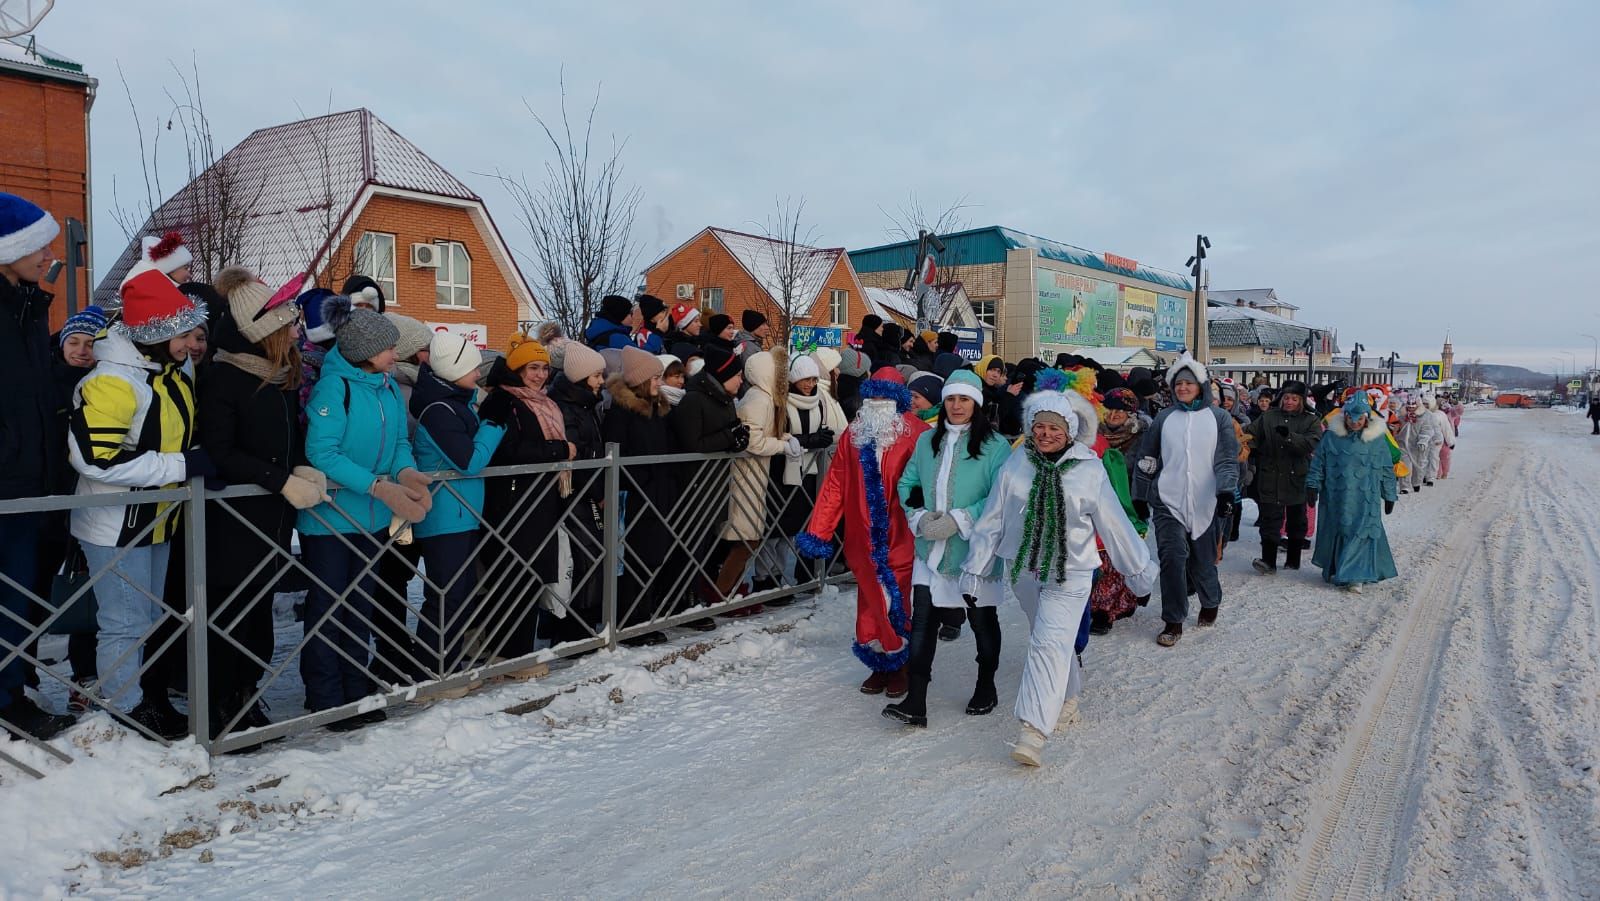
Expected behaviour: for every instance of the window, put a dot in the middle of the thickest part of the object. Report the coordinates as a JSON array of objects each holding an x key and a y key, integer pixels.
[
  {"x": 838, "y": 307},
  {"x": 375, "y": 260},
  {"x": 711, "y": 300},
  {"x": 984, "y": 310},
  {"x": 453, "y": 281}
]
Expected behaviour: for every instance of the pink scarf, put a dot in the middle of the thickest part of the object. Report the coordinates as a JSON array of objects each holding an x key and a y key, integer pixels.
[{"x": 543, "y": 408}]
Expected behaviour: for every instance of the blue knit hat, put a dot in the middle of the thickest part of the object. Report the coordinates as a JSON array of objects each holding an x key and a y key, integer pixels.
[
  {"x": 24, "y": 228},
  {"x": 89, "y": 321}
]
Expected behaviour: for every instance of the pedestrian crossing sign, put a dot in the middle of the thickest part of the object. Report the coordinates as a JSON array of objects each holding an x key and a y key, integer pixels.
[{"x": 1430, "y": 373}]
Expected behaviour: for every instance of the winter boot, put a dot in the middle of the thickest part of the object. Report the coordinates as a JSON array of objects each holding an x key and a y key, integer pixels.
[
  {"x": 986, "y": 633},
  {"x": 897, "y": 683},
  {"x": 1099, "y": 622},
  {"x": 1029, "y": 749},
  {"x": 704, "y": 624},
  {"x": 1069, "y": 714},
  {"x": 918, "y": 671},
  {"x": 949, "y": 631},
  {"x": 875, "y": 683},
  {"x": 1292, "y": 559},
  {"x": 1208, "y": 616},
  {"x": 160, "y": 718},
  {"x": 24, "y": 715},
  {"x": 1268, "y": 564},
  {"x": 913, "y": 709},
  {"x": 1170, "y": 635}
]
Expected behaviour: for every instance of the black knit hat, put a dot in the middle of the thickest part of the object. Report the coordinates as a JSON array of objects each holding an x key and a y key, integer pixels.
[
  {"x": 1142, "y": 383},
  {"x": 615, "y": 308},
  {"x": 948, "y": 342},
  {"x": 722, "y": 361},
  {"x": 717, "y": 324},
  {"x": 750, "y": 320},
  {"x": 356, "y": 284},
  {"x": 650, "y": 307},
  {"x": 870, "y": 323}
]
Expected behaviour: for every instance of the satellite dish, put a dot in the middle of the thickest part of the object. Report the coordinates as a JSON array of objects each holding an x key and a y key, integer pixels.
[{"x": 18, "y": 17}]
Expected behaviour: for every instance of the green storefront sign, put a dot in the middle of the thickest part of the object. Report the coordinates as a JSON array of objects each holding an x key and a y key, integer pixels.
[{"x": 1074, "y": 309}]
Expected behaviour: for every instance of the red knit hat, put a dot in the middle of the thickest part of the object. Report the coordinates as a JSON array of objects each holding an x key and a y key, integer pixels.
[{"x": 154, "y": 310}]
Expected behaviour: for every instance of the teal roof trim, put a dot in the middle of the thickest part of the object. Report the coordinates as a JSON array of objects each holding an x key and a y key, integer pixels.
[{"x": 989, "y": 245}]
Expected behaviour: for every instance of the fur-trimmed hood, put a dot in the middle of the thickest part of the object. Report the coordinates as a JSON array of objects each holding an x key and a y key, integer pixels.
[
  {"x": 1373, "y": 431},
  {"x": 628, "y": 398}
]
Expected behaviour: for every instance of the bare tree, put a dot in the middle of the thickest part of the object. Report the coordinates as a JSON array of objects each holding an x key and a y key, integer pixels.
[
  {"x": 912, "y": 217},
  {"x": 214, "y": 213},
  {"x": 579, "y": 221},
  {"x": 795, "y": 270}
]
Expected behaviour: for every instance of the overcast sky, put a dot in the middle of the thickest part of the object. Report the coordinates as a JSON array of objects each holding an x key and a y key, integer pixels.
[{"x": 1396, "y": 169}]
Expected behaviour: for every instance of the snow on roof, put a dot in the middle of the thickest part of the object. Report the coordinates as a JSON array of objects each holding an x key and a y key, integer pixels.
[
  {"x": 31, "y": 56},
  {"x": 297, "y": 182},
  {"x": 1267, "y": 297},
  {"x": 892, "y": 304},
  {"x": 762, "y": 258},
  {"x": 1232, "y": 326},
  {"x": 1119, "y": 356}
]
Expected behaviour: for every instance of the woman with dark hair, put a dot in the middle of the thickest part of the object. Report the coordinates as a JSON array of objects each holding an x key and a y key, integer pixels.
[{"x": 953, "y": 468}]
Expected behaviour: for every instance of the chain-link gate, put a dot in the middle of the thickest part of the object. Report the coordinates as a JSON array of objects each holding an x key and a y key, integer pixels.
[{"x": 329, "y": 625}]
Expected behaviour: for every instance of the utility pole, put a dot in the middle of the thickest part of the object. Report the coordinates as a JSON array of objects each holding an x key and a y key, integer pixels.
[
  {"x": 1355, "y": 363},
  {"x": 1202, "y": 337},
  {"x": 1393, "y": 355}
]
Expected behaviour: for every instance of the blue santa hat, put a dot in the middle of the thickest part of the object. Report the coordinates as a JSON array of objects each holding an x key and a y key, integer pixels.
[
  {"x": 310, "y": 303},
  {"x": 24, "y": 228}
]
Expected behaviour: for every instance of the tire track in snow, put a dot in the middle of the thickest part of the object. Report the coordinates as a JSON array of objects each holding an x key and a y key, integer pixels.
[{"x": 1355, "y": 834}]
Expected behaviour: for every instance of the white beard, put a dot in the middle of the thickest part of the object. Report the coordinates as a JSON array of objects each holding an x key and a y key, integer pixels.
[{"x": 877, "y": 422}]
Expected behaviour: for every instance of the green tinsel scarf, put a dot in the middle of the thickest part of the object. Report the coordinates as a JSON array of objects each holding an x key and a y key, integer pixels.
[{"x": 1042, "y": 532}]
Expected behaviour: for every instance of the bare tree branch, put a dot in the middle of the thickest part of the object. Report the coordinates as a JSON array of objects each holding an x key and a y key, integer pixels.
[{"x": 796, "y": 270}]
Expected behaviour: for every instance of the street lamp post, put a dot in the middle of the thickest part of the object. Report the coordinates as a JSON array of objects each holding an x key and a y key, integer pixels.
[
  {"x": 1596, "y": 350},
  {"x": 1393, "y": 355},
  {"x": 1202, "y": 338},
  {"x": 1355, "y": 363}
]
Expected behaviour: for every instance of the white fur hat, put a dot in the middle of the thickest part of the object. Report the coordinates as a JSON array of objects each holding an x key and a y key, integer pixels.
[{"x": 1187, "y": 361}]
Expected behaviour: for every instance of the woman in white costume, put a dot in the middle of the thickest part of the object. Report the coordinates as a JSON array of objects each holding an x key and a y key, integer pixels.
[{"x": 1051, "y": 498}]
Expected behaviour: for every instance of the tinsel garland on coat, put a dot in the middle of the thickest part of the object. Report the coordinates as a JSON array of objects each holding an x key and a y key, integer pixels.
[
  {"x": 1042, "y": 531},
  {"x": 878, "y": 513}
]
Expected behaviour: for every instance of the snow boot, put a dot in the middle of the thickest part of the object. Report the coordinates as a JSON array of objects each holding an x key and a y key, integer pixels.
[
  {"x": 1207, "y": 617},
  {"x": 1029, "y": 749},
  {"x": 1069, "y": 714},
  {"x": 24, "y": 715},
  {"x": 1292, "y": 560},
  {"x": 705, "y": 624},
  {"x": 1170, "y": 635},
  {"x": 875, "y": 683},
  {"x": 1099, "y": 622},
  {"x": 161, "y": 718},
  {"x": 897, "y": 684},
  {"x": 913, "y": 709},
  {"x": 1268, "y": 564},
  {"x": 986, "y": 635}
]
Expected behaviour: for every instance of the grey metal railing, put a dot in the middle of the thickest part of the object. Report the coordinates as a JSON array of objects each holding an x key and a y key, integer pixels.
[{"x": 594, "y": 553}]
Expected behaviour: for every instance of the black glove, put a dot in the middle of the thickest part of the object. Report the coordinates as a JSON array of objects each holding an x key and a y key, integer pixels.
[
  {"x": 816, "y": 440},
  {"x": 1388, "y": 507},
  {"x": 1311, "y": 497},
  {"x": 1282, "y": 430},
  {"x": 1225, "y": 506},
  {"x": 1143, "y": 509},
  {"x": 496, "y": 408},
  {"x": 196, "y": 462},
  {"x": 740, "y": 436}
]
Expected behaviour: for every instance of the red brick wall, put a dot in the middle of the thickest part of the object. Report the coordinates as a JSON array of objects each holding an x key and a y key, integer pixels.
[
  {"x": 705, "y": 263},
  {"x": 416, "y": 222},
  {"x": 44, "y": 156}
]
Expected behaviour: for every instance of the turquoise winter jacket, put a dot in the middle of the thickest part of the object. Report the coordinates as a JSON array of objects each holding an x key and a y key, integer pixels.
[
  {"x": 450, "y": 437},
  {"x": 971, "y": 480},
  {"x": 355, "y": 432}
]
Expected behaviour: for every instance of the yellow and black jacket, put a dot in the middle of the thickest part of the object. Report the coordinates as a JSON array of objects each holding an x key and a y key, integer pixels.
[{"x": 132, "y": 420}]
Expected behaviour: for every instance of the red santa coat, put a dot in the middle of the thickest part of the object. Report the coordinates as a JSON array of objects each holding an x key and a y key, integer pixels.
[{"x": 843, "y": 499}]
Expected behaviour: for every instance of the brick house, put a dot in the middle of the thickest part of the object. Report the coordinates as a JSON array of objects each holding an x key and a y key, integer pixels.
[
  {"x": 44, "y": 144},
  {"x": 723, "y": 271},
  {"x": 344, "y": 194}
]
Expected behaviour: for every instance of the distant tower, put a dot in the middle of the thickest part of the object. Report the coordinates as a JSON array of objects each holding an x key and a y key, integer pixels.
[{"x": 1448, "y": 356}]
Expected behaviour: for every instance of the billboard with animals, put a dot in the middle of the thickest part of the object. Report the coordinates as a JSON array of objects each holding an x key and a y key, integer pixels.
[{"x": 1075, "y": 309}]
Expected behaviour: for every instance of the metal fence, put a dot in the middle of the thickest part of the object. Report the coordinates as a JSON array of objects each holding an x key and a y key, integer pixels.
[{"x": 559, "y": 560}]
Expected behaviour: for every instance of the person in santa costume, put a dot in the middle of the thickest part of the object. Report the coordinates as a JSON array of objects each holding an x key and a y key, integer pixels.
[
  {"x": 859, "y": 491},
  {"x": 1050, "y": 501}
]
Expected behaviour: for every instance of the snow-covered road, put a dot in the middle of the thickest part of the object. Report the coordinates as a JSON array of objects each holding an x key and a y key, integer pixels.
[{"x": 1435, "y": 736}]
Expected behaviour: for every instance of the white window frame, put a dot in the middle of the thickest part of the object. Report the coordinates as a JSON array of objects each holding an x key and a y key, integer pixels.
[
  {"x": 388, "y": 284},
  {"x": 838, "y": 307},
  {"x": 712, "y": 302},
  {"x": 448, "y": 279},
  {"x": 978, "y": 307}
]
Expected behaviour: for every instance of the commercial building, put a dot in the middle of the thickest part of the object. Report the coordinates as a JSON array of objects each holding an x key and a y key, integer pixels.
[
  {"x": 45, "y": 100},
  {"x": 1040, "y": 297},
  {"x": 345, "y": 194}
]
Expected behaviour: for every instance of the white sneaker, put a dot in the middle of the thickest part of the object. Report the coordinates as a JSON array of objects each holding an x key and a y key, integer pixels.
[
  {"x": 1069, "y": 714},
  {"x": 1029, "y": 749}
]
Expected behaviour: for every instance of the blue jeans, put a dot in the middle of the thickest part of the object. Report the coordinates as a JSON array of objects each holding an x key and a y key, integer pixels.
[
  {"x": 333, "y": 678},
  {"x": 19, "y": 560},
  {"x": 127, "y": 615},
  {"x": 1185, "y": 560}
]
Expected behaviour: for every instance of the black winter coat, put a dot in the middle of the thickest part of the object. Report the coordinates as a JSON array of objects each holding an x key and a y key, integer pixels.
[
  {"x": 527, "y": 524},
  {"x": 703, "y": 421},
  {"x": 580, "y": 409},
  {"x": 33, "y": 438},
  {"x": 1282, "y": 462},
  {"x": 638, "y": 425},
  {"x": 253, "y": 434},
  {"x": 1003, "y": 409}
]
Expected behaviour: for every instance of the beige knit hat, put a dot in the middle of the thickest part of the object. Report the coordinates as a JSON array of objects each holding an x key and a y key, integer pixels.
[
  {"x": 581, "y": 361},
  {"x": 414, "y": 336},
  {"x": 248, "y": 297},
  {"x": 639, "y": 366}
]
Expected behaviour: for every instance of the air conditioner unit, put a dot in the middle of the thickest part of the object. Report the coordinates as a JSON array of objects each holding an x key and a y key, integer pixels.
[
  {"x": 426, "y": 256},
  {"x": 686, "y": 292}
]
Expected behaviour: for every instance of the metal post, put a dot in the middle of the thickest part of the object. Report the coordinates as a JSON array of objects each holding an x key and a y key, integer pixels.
[
  {"x": 194, "y": 536},
  {"x": 613, "y": 551},
  {"x": 74, "y": 238}
]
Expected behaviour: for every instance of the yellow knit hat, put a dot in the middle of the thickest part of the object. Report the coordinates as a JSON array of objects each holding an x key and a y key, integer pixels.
[{"x": 524, "y": 350}]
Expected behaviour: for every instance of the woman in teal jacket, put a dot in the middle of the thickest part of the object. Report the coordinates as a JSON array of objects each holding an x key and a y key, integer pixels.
[
  {"x": 953, "y": 468},
  {"x": 449, "y": 436},
  {"x": 356, "y": 434},
  {"x": 1351, "y": 478}
]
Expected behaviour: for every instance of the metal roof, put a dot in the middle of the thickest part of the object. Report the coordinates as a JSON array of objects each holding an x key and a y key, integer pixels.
[
  {"x": 977, "y": 246},
  {"x": 297, "y": 183},
  {"x": 28, "y": 57},
  {"x": 1263, "y": 297},
  {"x": 761, "y": 257},
  {"x": 1231, "y": 326}
]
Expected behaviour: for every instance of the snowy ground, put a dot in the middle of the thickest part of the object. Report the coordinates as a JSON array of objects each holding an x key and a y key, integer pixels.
[{"x": 1433, "y": 737}]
